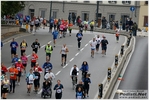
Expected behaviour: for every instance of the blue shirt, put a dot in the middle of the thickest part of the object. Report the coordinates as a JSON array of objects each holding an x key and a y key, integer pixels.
[
  {"x": 55, "y": 33},
  {"x": 47, "y": 66},
  {"x": 15, "y": 59},
  {"x": 1, "y": 44},
  {"x": 79, "y": 95},
  {"x": 84, "y": 68},
  {"x": 14, "y": 46},
  {"x": 51, "y": 21}
]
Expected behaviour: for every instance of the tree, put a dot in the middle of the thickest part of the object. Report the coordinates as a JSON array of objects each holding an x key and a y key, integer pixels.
[{"x": 11, "y": 7}]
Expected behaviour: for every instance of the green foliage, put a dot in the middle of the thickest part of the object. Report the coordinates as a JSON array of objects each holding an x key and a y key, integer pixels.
[{"x": 11, "y": 7}]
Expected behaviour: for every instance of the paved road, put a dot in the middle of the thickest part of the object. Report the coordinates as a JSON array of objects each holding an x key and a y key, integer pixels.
[
  {"x": 136, "y": 74},
  {"x": 98, "y": 65}
]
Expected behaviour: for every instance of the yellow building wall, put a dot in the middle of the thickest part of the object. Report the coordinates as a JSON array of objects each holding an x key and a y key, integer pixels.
[{"x": 143, "y": 12}]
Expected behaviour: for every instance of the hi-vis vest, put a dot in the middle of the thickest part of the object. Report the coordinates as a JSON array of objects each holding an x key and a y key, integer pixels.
[{"x": 48, "y": 49}]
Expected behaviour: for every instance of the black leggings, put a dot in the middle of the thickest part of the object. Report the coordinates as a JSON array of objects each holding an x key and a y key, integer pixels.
[
  {"x": 86, "y": 89},
  {"x": 22, "y": 51},
  {"x": 58, "y": 95},
  {"x": 12, "y": 84},
  {"x": 79, "y": 43}
]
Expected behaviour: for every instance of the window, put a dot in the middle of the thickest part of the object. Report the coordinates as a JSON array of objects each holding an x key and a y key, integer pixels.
[
  {"x": 111, "y": 17},
  {"x": 146, "y": 2},
  {"x": 112, "y": 2},
  {"x": 126, "y": 2},
  {"x": 85, "y": 16},
  {"x": 54, "y": 14},
  {"x": 43, "y": 13},
  {"x": 145, "y": 21}
]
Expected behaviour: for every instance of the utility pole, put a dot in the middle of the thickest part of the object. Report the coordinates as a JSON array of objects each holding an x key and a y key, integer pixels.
[
  {"x": 50, "y": 14},
  {"x": 97, "y": 9}
]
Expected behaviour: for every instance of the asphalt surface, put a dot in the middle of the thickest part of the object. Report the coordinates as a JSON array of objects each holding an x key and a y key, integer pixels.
[
  {"x": 136, "y": 74},
  {"x": 97, "y": 65}
]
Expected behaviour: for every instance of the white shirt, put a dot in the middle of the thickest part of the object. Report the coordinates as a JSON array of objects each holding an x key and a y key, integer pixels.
[
  {"x": 36, "y": 21},
  {"x": 98, "y": 40},
  {"x": 31, "y": 78},
  {"x": 48, "y": 75},
  {"x": 72, "y": 70},
  {"x": 41, "y": 20},
  {"x": 93, "y": 44}
]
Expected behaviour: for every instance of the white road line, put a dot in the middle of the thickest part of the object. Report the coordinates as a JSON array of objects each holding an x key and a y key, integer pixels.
[
  {"x": 40, "y": 91},
  {"x": 43, "y": 46},
  {"x": 86, "y": 45},
  {"x": 71, "y": 59},
  {"x": 77, "y": 54},
  {"x": 28, "y": 56},
  {"x": 65, "y": 66},
  {"x": 57, "y": 72},
  {"x": 82, "y": 49}
]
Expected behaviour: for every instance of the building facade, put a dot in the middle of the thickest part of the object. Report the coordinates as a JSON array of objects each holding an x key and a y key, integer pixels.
[
  {"x": 143, "y": 15},
  {"x": 112, "y": 10}
]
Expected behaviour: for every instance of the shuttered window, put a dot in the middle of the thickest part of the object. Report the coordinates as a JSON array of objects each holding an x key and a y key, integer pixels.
[{"x": 145, "y": 21}]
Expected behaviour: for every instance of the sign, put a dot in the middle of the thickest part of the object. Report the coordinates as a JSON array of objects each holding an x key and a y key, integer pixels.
[
  {"x": 109, "y": 74},
  {"x": 133, "y": 94},
  {"x": 132, "y": 9},
  {"x": 100, "y": 90}
]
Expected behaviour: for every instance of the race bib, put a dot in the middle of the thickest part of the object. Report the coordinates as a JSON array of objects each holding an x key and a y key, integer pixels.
[
  {"x": 33, "y": 58},
  {"x": 18, "y": 68},
  {"x": 36, "y": 77},
  {"x": 79, "y": 97},
  {"x": 11, "y": 74},
  {"x": 36, "y": 46},
  {"x": 59, "y": 91},
  {"x": 47, "y": 69},
  {"x": 13, "y": 45}
]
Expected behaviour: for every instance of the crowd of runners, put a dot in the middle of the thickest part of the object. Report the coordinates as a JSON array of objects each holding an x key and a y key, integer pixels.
[{"x": 33, "y": 77}]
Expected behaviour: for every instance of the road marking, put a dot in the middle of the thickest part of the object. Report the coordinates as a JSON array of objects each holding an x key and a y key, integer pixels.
[
  {"x": 82, "y": 49},
  {"x": 43, "y": 46},
  {"x": 71, "y": 59},
  {"x": 86, "y": 45},
  {"x": 28, "y": 56},
  {"x": 57, "y": 72},
  {"x": 65, "y": 66},
  {"x": 40, "y": 91},
  {"x": 77, "y": 54}
]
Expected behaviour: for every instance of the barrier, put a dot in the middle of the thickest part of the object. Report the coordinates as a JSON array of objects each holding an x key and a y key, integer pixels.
[{"x": 116, "y": 68}]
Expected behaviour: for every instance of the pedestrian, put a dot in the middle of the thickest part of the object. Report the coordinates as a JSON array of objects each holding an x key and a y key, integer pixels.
[
  {"x": 44, "y": 23},
  {"x": 134, "y": 29},
  {"x": 36, "y": 80},
  {"x": 24, "y": 60},
  {"x": 3, "y": 69},
  {"x": 32, "y": 23},
  {"x": 84, "y": 68},
  {"x": 38, "y": 67},
  {"x": 86, "y": 82},
  {"x": 15, "y": 59},
  {"x": 79, "y": 94},
  {"x": 48, "y": 50},
  {"x": 36, "y": 23},
  {"x": 93, "y": 44},
  {"x": 13, "y": 77},
  {"x": 58, "y": 24},
  {"x": 51, "y": 21},
  {"x": 5, "y": 88},
  {"x": 98, "y": 40},
  {"x": 55, "y": 34},
  {"x": 35, "y": 45},
  {"x": 34, "y": 58},
  {"x": 61, "y": 28},
  {"x": 63, "y": 52},
  {"x": 23, "y": 46},
  {"x": 46, "y": 66},
  {"x": 13, "y": 46},
  {"x": 104, "y": 43},
  {"x": 117, "y": 35},
  {"x": 92, "y": 26},
  {"x": 55, "y": 23},
  {"x": 79, "y": 36},
  {"x": 59, "y": 88}
]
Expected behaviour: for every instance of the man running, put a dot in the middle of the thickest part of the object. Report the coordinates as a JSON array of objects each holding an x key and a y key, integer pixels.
[
  {"x": 23, "y": 46},
  {"x": 98, "y": 40},
  {"x": 48, "y": 50},
  {"x": 93, "y": 44},
  {"x": 35, "y": 45},
  {"x": 55, "y": 34},
  {"x": 46, "y": 66},
  {"x": 64, "y": 51},
  {"x": 13, "y": 46},
  {"x": 36, "y": 23},
  {"x": 34, "y": 59},
  {"x": 104, "y": 43},
  {"x": 79, "y": 36}
]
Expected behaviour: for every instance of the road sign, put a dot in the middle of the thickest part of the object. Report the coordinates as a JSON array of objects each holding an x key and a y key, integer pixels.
[{"x": 132, "y": 9}]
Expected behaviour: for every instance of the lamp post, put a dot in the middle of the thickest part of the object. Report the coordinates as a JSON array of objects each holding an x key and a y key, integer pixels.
[
  {"x": 50, "y": 14},
  {"x": 97, "y": 12}
]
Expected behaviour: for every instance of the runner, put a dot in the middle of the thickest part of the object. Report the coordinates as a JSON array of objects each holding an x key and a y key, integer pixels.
[
  {"x": 84, "y": 68},
  {"x": 98, "y": 40},
  {"x": 34, "y": 59},
  {"x": 37, "y": 80},
  {"x": 48, "y": 50},
  {"x": 61, "y": 29},
  {"x": 93, "y": 44},
  {"x": 74, "y": 72},
  {"x": 51, "y": 22},
  {"x": 41, "y": 21},
  {"x": 23, "y": 47},
  {"x": 64, "y": 51},
  {"x": 44, "y": 23},
  {"x": 24, "y": 61},
  {"x": 104, "y": 43},
  {"x": 59, "y": 88},
  {"x": 55, "y": 23},
  {"x": 92, "y": 25},
  {"x": 59, "y": 23},
  {"x": 3, "y": 69},
  {"x": 20, "y": 68},
  {"x": 15, "y": 59},
  {"x": 13, "y": 46},
  {"x": 46, "y": 66},
  {"x": 2, "y": 78},
  {"x": 49, "y": 76},
  {"x": 13, "y": 77},
  {"x": 117, "y": 35},
  {"x": 86, "y": 82},
  {"x": 32, "y": 23},
  {"x": 79, "y": 94},
  {"x": 5, "y": 88},
  {"x": 36, "y": 23},
  {"x": 38, "y": 67},
  {"x": 35, "y": 45},
  {"x": 30, "y": 77},
  {"x": 55, "y": 34},
  {"x": 79, "y": 36}
]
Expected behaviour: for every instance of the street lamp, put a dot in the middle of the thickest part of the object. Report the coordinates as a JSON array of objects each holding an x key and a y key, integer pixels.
[{"x": 50, "y": 14}]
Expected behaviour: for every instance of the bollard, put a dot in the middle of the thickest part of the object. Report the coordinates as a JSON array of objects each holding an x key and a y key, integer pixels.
[
  {"x": 109, "y": 74},
  {"x": 100, "y": 91},
  {"x": 116, "y": 60},
  {"x": 122, "y": 50}
]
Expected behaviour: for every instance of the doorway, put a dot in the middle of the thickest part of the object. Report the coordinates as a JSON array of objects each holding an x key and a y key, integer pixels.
[{"x": 31, "y": 13}]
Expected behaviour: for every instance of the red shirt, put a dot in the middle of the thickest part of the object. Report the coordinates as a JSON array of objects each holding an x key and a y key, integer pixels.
[
  {"x": 39, "y": 68},
  {"x": 19, "y": 66},
  {"x": 4, "y": 68},
  {"x": 34, "y": 58}
]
